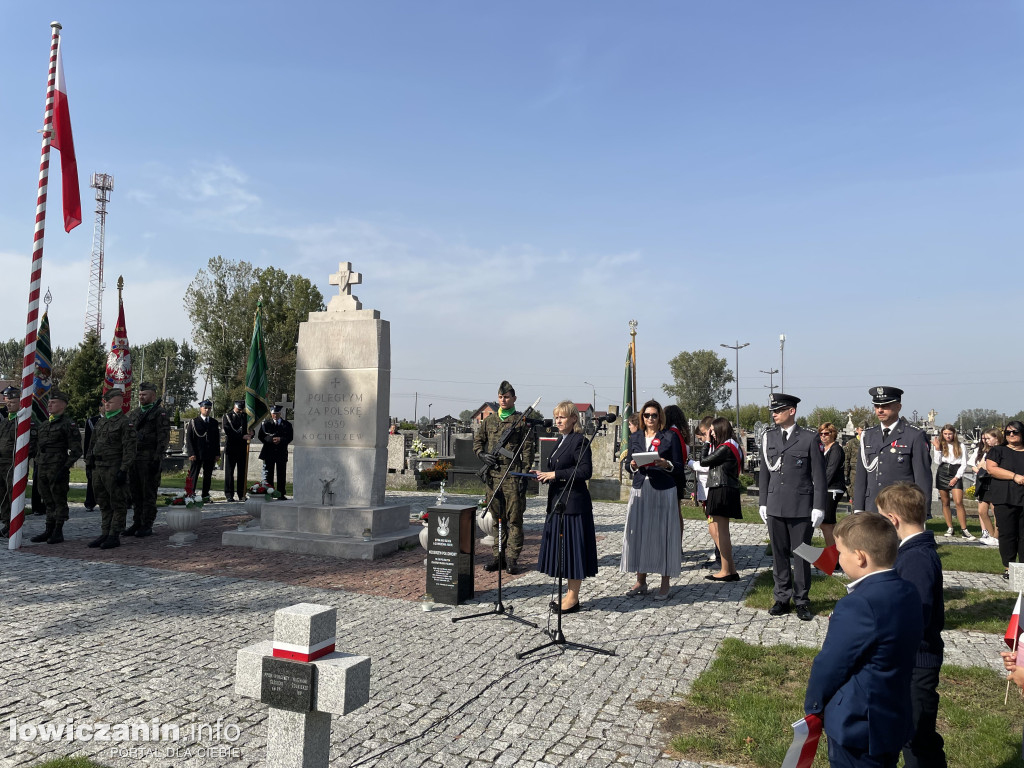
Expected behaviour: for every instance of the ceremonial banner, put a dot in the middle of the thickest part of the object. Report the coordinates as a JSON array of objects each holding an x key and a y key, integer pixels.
[
  {"x": 119, "y": 359},
  {"x": 256, "y": 405},
  {"x": 44, "y": 370},
  {"x": 627, "y": 393}
]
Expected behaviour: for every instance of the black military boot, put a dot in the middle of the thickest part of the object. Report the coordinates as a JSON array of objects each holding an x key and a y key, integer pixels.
[
  {"x": 495, "y": 565},
  {"x": 113, "y": 540},
  {"x": 58, "y": 534},
  {"x": 146, "y": 530},
  {"x": 98, "y": 541},
  {"x": 45, "y": 535},
  {"x": 133, "y": 530}
]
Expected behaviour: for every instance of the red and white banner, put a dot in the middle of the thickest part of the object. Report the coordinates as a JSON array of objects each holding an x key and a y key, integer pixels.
[
  {"x": 806, "y": 734},
  {"x": 1013, "y": 629},
  {"x": 119, "y": 361},
  {"x": 65, "y": 144},
  {"x": 825, "y": 560}
]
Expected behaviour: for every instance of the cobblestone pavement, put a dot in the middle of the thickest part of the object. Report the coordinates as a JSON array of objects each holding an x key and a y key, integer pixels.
[{"x": 148, "y": 633}]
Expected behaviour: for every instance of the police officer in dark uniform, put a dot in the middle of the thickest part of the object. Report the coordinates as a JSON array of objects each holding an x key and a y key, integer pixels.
[
  {"x": 153, "y": 429},
  {"x": 58, "y": 447},
  {"x": 276, "y": 434},
  {"x": 893, "y": 452},
  {"x": 202, "y": 446},
  {"x": 236, "y": 445},
  {"x": 110, "y": 456},
  {"x": 495, "y": 443},
  {"x": 792, "y": 488}
]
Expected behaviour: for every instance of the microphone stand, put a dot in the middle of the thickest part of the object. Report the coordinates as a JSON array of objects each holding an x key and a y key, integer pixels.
[
  {"x": 556, "y": 634},
  {"x": 499, "y": 608}
]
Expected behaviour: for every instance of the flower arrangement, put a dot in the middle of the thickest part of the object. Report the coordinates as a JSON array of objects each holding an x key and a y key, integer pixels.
[
  {"x": 264, "y": 489},
  {"x": 188, "y": 497},
  {"x": 437, "y": 472},
  {"x": 421, "y": 450},
  {"x": 424, "y": 517},
  {"x": 969, "y": 493}
]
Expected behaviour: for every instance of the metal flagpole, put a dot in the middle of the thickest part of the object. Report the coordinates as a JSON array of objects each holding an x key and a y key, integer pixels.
[{"x": 29, "y": 363}]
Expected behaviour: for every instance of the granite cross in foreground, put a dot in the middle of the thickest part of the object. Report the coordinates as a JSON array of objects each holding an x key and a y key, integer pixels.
[{"x": 305, "y": 681}]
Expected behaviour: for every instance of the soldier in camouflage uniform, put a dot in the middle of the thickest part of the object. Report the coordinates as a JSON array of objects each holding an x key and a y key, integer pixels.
[
  {"x": 851, "y": 453},
  {"x": 495, "y": 443},
  {"x": 8, "y": 438},
  {"x": 58, "y": 447},
  {"x": 111, "y": 454},
  {"x": 153, "y": 429}
]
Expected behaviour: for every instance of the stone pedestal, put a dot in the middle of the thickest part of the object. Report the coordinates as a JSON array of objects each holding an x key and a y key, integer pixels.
[{"x": 340, "y": 449}]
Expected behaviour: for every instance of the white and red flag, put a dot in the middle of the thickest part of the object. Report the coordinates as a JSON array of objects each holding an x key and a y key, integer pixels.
[
  {"x": 65, "y": 144},
  {"x": 825, "y": 560},
  {"x": 1013, "y": 629},
  {"x": 806, "y": 734},
  {"x": 119, "y": 359}
]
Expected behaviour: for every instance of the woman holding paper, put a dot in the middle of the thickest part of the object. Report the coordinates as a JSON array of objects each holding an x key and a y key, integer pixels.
[
  {"x": 723, "y": 459},
  {"x": 650, "y": 540}
]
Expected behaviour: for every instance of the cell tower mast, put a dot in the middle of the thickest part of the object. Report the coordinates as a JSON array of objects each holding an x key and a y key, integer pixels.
[{"x": 103, "y": 183}]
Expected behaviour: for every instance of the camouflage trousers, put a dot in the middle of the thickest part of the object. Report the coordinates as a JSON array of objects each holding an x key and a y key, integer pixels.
[
  {"x": 53, "y": 488},
  {"x": 144, "y": 477},
  {"x": 111, "y": 498},
  {"x": 6, "y": 488},
  {"x": 508, "y": 502}
]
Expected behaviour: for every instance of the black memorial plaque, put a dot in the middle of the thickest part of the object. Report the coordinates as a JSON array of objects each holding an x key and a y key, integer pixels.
[
  {"x": 450, "y": 547},
  {"x": 287, "y": 684}
]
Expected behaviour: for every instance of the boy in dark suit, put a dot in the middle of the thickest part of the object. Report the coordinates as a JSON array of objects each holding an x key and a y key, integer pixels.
[
  {"x": 903, "y": 504},
  {"x": 860, "y": 681}
]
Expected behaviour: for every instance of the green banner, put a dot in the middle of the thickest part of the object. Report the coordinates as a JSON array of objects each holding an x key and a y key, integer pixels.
[
  {"x": 256, "y": 406},
  {"x": 44, "y": 372}
]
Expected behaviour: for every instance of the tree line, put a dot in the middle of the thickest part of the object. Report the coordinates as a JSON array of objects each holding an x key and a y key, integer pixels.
[{"x": 701, "y": 382}]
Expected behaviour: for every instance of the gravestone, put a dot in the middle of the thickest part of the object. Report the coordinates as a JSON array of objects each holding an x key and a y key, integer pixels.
[
  {"x": 451, "y": 542},
  {"x": 342, "y": 394},
  {"x": 304, "y": 680}
]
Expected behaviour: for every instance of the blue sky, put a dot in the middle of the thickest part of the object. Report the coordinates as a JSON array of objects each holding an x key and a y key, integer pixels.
[{"x": 517, "y": 181}]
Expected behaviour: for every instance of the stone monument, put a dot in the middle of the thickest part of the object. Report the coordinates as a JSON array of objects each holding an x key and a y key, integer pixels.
[
  {"x": 340, "y": 459},
  {"x": 304, "y": 680}
]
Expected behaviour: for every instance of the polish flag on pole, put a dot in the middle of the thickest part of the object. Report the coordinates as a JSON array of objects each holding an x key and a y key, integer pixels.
[
  {"x": 806, "y": 734},
  {"x": 1013, "y": 630},
  {"x": 65, "y": 144},
  {"x": 825, "y": 560}
]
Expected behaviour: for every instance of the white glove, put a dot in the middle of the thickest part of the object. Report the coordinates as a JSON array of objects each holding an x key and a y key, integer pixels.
[
  {"x": 763, "y": 512},
  {"x": 817, "y": 516},
  {"x": 858, "y": 511}
]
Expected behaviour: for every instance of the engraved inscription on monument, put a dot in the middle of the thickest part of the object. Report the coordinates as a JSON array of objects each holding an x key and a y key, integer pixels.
[
  {"x": 287, "y": 684},
  {"x": 335, "y": 408}
]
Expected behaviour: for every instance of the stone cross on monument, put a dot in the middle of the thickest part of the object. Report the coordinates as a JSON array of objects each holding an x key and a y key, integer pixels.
[
  {"x": 286, "y": 404},
  {"x": 305, "y": 681},
  {"x": 345, "y": 278}
]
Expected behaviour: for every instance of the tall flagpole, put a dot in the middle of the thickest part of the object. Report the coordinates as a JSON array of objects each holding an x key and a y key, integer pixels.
[{"x": 29, "y": 363}]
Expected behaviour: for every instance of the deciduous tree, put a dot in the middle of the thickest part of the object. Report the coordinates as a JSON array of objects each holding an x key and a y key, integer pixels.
[{"x": 699, "y": 382}]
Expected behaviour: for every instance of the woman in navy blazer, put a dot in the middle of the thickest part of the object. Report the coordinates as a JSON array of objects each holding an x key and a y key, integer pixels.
[
  {"x": 650, "y": 540},
  {"x": 569, "y": 467}
]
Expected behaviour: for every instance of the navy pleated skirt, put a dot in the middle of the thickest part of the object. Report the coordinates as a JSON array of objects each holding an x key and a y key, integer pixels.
[{"x": 579, "y": 550}]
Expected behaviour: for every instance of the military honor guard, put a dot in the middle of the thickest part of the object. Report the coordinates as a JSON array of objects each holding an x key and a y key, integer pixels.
[
  {"x": 202, "y": 446},
  {"x": 495, "y": 443},
  {"x": 236, "y": 445},
  {"x": 8, "y": 439},
  {"x": 110, "y": 457},
  {"x": 892, "y": 452},
  {"x": 792, "y": 489},
  {"x": 153, "y": 428},
  {"x": 276, "y": 434},
  {"x": 58, "y": 447}
]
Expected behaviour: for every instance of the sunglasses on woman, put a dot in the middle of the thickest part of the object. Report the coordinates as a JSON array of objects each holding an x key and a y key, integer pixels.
[
  {"x": 650, "y": 415},
  {"x": 1012, "y": 432}
]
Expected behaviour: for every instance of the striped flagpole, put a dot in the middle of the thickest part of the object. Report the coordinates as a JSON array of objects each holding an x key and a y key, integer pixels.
[{"x": 29, "y": 365}]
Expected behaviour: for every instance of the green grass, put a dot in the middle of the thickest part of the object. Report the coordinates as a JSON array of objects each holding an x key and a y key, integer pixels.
[
  {"x": 749, "y": 511},
  {"x": 740, "y": 710},
  {"x": 983, "y": 610}
]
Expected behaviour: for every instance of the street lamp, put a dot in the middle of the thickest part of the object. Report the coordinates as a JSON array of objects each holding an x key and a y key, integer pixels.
[
  {"x": 771, "y": 379},
  {"x": 782, "y": 362},
  {"x": 737, "y": 346},
  {"x": 429, "y": 406},
  {"x": 593, "y": 391}
]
